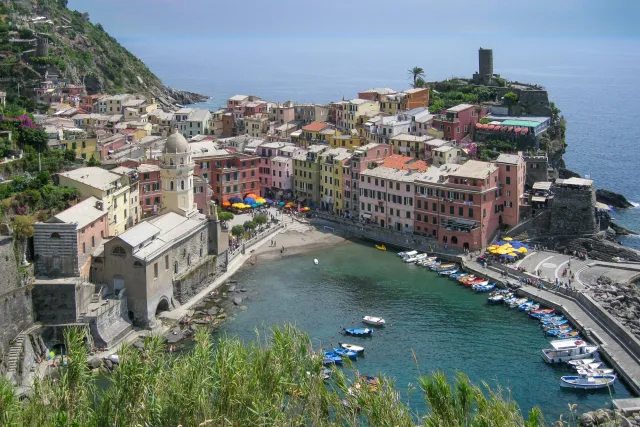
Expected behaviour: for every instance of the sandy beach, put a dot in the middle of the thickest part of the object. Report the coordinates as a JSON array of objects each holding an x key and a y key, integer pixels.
[{"x": 295, "y": 242}]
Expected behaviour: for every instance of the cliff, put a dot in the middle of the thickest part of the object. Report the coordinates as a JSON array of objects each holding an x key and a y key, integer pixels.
[{"x": 37, "y": 36}]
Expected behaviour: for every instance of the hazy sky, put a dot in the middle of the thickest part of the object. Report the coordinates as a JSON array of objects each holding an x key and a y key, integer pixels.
[{"x": 574, "y": 18}]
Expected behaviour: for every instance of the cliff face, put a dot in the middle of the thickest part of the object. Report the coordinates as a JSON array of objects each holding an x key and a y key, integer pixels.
[{"x": 67, "y": 41}]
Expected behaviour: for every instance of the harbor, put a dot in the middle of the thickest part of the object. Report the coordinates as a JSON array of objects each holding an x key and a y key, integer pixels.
[{"x": 447, "y": 326}]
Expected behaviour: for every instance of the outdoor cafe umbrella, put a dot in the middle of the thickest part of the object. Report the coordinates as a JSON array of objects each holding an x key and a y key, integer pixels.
[
  {"x": 507, "y": 239},
  {"x": 250, "y": 196},
  {"x": 226, "y": 204},
  {"x": 235, "y": 199},
  {"x": 522, "y": 250},
  {"x": 281, "y": 203}
]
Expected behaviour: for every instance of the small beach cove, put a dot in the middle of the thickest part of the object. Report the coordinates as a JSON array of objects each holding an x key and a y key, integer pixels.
[{"x": 447, "y": 326}]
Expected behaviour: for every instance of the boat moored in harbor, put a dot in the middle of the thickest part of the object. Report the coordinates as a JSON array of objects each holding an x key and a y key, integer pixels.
[
  {"x": 358, "y": 332},
  {"x": 358, "y": 349},
  {"x": 372, "y": 320},
  {"x": 566, "y": 350},
  {"x": 587, "y": 382}
]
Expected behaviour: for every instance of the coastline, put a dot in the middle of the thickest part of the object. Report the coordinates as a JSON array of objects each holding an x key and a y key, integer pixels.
[{"x": 295, "y": 242}]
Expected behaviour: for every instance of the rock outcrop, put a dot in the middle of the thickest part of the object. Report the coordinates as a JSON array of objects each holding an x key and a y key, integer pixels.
[
  {"x": 615, "y": 200},
  {"x": 622, "y": 301}
]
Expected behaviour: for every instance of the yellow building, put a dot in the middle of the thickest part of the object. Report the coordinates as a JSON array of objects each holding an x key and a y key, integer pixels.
[
  {"x": 409, "y": 145},
  {"x": 257, "y": 125},
  {"x": 306, "y": 175},
  {"x": 356, "y": 108},
  {"x": 80, "y": 141},
  {"x": 332, "y": 164},
  {"x": 347, "y": 141},
  {"x": 394, "y": 104},
  {"x": 110, "y": 188}
]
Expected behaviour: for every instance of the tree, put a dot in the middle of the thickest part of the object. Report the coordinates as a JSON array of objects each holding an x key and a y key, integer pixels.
[
  {"x": 415, "y": 73},
  {"x": 36, "y": 138},
  {"x": 69, "y": 155},
  {"x": 249, "y": 225},
  {"x": 420, "y": 83},
  {"x": 237, "y": 230},
  {"x": 260, "y": 220},
  {"x": 93, "y": 161},
  {"x": 437, "y": 106},
  {"x": 510, "y": 98},
  {"x": 22, "y": 230},
  {"x": 225, "y": 216}
]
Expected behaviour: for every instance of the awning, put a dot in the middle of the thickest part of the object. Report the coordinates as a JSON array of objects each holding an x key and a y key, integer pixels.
[
  {"x": 366, "y": 215},
  {"x": 538, "y": 199}
]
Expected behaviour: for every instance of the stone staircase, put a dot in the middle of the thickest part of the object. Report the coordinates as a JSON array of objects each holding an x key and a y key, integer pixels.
[{"x": 16, "y": 350}]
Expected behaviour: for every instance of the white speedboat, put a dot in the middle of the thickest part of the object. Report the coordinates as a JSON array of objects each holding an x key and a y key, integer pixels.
[
  {"x": 407, "y": 254},
  {"x": 587, "y": 382},
  {"x": 415, "y": 258},
  {"x": 352, "y": 347},
  {"x": 581, "y": 362},
  {"x": 566, "y": 350},
  {"x": 375, "y": 321}
]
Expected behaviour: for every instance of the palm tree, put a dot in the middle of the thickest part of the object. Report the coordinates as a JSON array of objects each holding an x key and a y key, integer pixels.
[{"x": 415, "y": 73}]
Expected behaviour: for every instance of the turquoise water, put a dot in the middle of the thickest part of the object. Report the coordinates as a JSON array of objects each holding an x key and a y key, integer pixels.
[{"x": 447, "y": 326}]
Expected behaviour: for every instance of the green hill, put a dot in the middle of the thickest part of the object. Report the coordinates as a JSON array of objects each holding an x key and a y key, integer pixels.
[{"x": 41, "y": 35}]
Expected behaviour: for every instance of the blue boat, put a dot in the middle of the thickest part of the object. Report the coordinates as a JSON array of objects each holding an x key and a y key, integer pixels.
[
  {"x": 523, "y": 307},
  {"x": 551, "y": 325},
  {"x": 456, "y": 276},
  {"x": 448, "y": 272},
  {"x": 346, "y": 353},
  {"x": 551, "y": 318},
  {"x": 484, "y": 288},
  {"x": 358, "y": 332},
  {"x": 332, "y": 358},
  {"x": 557, "y": 332}
]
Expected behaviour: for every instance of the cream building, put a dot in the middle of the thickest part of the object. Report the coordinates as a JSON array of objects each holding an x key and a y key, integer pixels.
[{"x": 176, "y": 173}]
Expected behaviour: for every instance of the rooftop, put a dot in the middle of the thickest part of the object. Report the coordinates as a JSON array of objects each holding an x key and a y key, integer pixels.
[
  {"x": 358, "y": 101},
  {"x": 512, "y": 159},
  {"x": 284, "y": 159},
  {"x": 575, "y": 182},
  {"x": 475, "y": 169},
  {"x": 392, "y": 174},
  {"x": 147, "y": 167},
  {"x": 443, "y": 148},
  {"x": 317, "y": 148},
  {"x": 460, "y": 107},
  {"x": 397, "y": 161},
  {"x": 81, "y": 214},
  {"x": 199, "y": 115},
  {"x": 315, "y": 126},
  {"x": 410, "y": 138},
  {"x": 436, "y": 142},
  {"x": 415, "y": 90},
  {"x": 93, "y": 176},
  {"x": 542, "y": 185},
  {"x": 433, "y": 174},
  {"x": 302, "y": 155},
  {"x": 122, "y": 170},
  {"x": 380, "y": 91},
  {"x": 238, "y": 98}
]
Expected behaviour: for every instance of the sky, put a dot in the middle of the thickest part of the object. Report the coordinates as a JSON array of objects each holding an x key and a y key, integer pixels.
[{"x": 136, "y": 19}]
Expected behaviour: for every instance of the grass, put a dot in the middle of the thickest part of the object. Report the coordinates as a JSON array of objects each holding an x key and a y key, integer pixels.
[{"x": 273, "y": 381}]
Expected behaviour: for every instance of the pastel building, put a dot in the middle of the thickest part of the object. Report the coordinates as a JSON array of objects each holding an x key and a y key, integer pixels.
[
  {"x": 512, "y": 177},
  {"x": 150, "y": 188},
  {"x": 282, "y": 177},
  {"x": 459, "y": 205},
  {"x": 332, "y": 162},
  {"x": 457, "y": 122},
  {"x": 306, "y": 175},
  {"x": 353, "y": 110},
  {"x": 363, "y": 158}
]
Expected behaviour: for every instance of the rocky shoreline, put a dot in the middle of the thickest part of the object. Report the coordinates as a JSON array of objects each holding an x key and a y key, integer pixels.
[{"x": 622, "y": 301}]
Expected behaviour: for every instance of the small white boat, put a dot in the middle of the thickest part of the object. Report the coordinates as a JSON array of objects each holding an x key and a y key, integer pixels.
[
  {"x": 566, "y": 350},
  {"x": 581, "y": 362},
  {"x": 517, "y": 303},
  {"x": 587, "y": 382},
  {"x": 407, "y": 254},
  {"x": 595, "y": 372},
  {"x": 315, "y": 261},
  {"x": 595, "y": 365},
  {"x": 375, "y": 321},
  {"x": 415, "y": 258},
  {"x": 352, "y": 347}
]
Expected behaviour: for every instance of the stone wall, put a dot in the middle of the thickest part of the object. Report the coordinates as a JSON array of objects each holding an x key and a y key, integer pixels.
[
  {"x": 56, "y": 249},
  {"x": 110, "y": 322},
  {"x": 9, "y": 279},
  {"x": 190, "y": 284},
  {"x": 573, "y": 210},
  {"x": 537, "y": 169},
  {"x": 58, "y": 303}
]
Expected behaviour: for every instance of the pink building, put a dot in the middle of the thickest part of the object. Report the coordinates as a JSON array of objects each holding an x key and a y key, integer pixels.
[
  {"x": 363, "y": 157},
  {"x": 63, "y": 245},
  {"x": 150, "y": 188},
  {"x": 387, "y": 197},
  {"x": 202, "y": 193},
  {"x": 283, "y": 113},
  {"x": 272, "y": 187},
  {"x": 282, "y": 176},
  {"x": 457, "y": 122},
  {"x": 108, "y": 146},
  {"x": 460, "y": 205},
  {"x": 253, "y": 108},
  {"x": 511, "y": 180}
]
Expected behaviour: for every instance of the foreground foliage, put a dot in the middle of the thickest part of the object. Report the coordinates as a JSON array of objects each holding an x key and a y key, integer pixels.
[{"x": 278, "y": 382}]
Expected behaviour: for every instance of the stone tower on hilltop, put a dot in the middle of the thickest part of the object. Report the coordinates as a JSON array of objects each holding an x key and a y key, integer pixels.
[
  {"x": 485, "y": 67},
  {"x": 176, "y": 171}
]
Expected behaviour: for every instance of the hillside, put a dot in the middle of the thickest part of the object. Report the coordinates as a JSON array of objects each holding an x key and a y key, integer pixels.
[{"x": 41, "y": 35}]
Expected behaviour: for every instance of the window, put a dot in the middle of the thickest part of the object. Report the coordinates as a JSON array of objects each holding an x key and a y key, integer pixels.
[
  {"x": 408, "y": 215},
  {"x": 451, "y": 209},
  {"x": 175, "y": 267},
  {"x": 166, "y": 262},
  {"x": 189, "y": 259},
  {"x": 419, "y": 217},
  {"x": 508, "y": 168},
  {"x": 442, "y": 208},
  {"x": 118, "y": 250},
  {"x": 470, "y": 197},
  {"x": 470, "y": 213},
  {"x": 84, "y": 248},
  {"x": 115, "y": 219},
  {"x": 434, "y": 220},
  {"x": 460, "y": 211},
  {"x": 419, "y": 204},
  {"x": 508, "y": 180},
  {"x": 171, "y": 186},
  {"x": 55, "y": 235},
  {"x": 434, "y": 207},
  {"x": 508, "y": 193},
  {"x": 484, "y": 213},
  {"x": 93, "y": 241},
  {"x": 182, "y": 185}
]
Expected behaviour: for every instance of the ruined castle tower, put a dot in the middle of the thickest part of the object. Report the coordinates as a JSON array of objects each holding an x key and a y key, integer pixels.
[
  {"x": 42, "y": 47},
  {"x": 573, "y": 208},
  {"x": 485, "y": 64}
]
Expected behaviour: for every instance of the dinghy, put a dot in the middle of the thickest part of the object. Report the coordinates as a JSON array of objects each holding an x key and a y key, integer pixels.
[
  {"x": 595, "y": 372},
  {"x": 448, "y": 272},
  {"x": 375, "y": 321},
  {"x": 352, "y": 347},
  {"x": 381, "y": 247},
  {"x": 587, "y": 382},
  {"x": 358, "y": 332},
  {"x": 495, "y": 299},
  {"x": 407, "y": 254},
  {"x": 517, "y": 303},
  {"x": 346, "y": 353},
  {"x": 581, "y": 362},
  {"x": 588, "y": 366},
  {"x": 332, "y": 358}
]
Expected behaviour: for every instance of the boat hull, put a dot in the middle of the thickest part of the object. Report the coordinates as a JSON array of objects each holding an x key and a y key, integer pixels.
[
  {"x": 599, "y": 381},
  {"x": 555, "y": 356}
]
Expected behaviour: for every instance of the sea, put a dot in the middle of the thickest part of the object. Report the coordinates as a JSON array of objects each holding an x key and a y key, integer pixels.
[
  {"x": 594, "y": 81},
  {"x": 433, "y": 323}
]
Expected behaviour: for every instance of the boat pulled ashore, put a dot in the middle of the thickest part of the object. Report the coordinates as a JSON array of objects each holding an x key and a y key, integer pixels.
[
  {"x": 566, "y": 350},
  {"x": 372, "y": 320},
  {"x": 587, "y": 382}
]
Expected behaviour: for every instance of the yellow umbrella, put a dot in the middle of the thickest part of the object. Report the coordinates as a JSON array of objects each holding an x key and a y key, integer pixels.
[
  {"x": 493, "y": 251},
  {"x": 493, "y": 247},
  {"x": 507, "y": 239},
  {"x": 502, "y": 251},
  {"x": 506, "y": 245},
  {"x": 522, "y": 250}
]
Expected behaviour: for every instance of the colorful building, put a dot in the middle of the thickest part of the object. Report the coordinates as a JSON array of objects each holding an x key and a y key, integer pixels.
[
  {"x": 332, "y": 164},
  {"x": 347, "y": 141},
  {"x": 354, "y": 109},
  {"x": 85, "y": 144},
  {"x": 363, "y": 158},
  {"x": 416, "y": 98},
  {"x": 512, "y": 176},
  {"x": 306, "y": 175},
  {"x": 458, "y": 121},
  {"x": 409, "y": 145},
  {"x": 257, "y": 125}
]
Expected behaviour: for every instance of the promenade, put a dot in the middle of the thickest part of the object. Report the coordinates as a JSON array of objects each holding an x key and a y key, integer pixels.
[{"x": 614, "y": 350}]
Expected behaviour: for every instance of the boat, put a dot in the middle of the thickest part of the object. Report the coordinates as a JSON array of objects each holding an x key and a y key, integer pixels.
[
  {"x": 477, "y": 282},
  {"x": 550, "y": 319},
  {"x": 358, "y": 332},
  {"x": 567, "y": 335},
  {"x": 552, "y": 324},
  {"x": 484, "y": 288},
  {"x": 495, "y": 299},
  {"x": 372, "y": 382},
  {"x": 581, "y": 362},
  {"x": 372, "y": 320},
  {"x": 414, "y": 258},
  {"x": 525, "y": 305},
  {"x": 352, "y": 347},
  {"x": 594, "y": 372},
  {"x": 315, "y": 261},
  {"x": 407, "y": 254},
  {"x": 541, "y": 312},
  {"x": 532, "y": 307},
  {"x": 566, "y": 350},
  {"x": 587, "y": 382},
  {"x": 556, "y": 331},
  {"x": 588, "y": 366},
  {"x": 466, "y": 278},
  {"x": 442, "y": 267},
  {"x": 456, "y": 276},
  {"x": 381, "y": 247},
  {"x": 448, "y": 272},
  {"x": 517, "y": 303},
  {"x": 332, "y": 358},
  {"x": 346, "y": 353}
]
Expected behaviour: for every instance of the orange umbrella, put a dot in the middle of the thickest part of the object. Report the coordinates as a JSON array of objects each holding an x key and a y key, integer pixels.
[
  {"x": 226, "y": 204},
  {"x": 251, "y": 196}
]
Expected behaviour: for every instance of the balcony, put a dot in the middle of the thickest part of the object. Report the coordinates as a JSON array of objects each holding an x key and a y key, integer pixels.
[{"x": 446, "y": 118}]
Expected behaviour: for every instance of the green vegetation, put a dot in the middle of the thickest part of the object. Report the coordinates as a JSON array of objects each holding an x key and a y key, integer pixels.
[
  {"x": 225, "y": 216},
  {"x": 417, "y": 76},
  {"x": 274, "y": 382},
  {"x": 448, "y": 93},
  {"x": 237, "y": 230},
  {"x": 511, "y": 98},
  {"x": 260, "y": 220}
]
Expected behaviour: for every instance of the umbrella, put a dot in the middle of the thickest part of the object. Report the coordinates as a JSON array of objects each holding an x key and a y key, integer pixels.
[
  {"x": 522, "y": 250},
  {"x": 509, "y": 256},
  {"x": 507, "y": 239},
  {"x": 259, "y": 203},
  {"x": 235, "y": 199},
  {"x": 250, "y": 196},
  {"x": 268, "y": 201},
  {"x": 254, "y": 205},
  {"x": 281, "y": 203},
  {"x": 226, "y": 204}
]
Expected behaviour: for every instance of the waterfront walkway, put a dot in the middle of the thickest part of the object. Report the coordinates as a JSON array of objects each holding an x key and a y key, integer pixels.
[{"x": 621, "y": 357}]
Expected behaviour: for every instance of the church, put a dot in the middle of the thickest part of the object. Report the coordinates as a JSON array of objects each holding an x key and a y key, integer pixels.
[{"x": 162, "y": 262}]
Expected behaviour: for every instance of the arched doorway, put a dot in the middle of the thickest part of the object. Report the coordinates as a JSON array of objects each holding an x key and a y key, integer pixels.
[
  {"x": 444, "y": 239},
  {"x": 465, "y": 246},
  {"x": 454, "y": 240},
  {"x": 163, "y": 305}
]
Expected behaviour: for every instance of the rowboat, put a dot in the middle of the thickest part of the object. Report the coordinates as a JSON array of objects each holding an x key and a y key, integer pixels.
[
  {"x": 456, "y": 276},
  {"x": 415, "y": 258},
  {"x": 381, "y": 247},
  {"x": 566, "y": 350},
  {"x": 593, "y": 372},
  {"x": 587, "y": 382},
  {"x": 546, "y": 324},
  {"x": 375, "y": 321},
  {"x": 541, "y": 312},
  {"x": 568, "y": 335},
  {"x": 587, "y": 366},
  {"x": 407, "y": 253},
  {"x": 315, "y": 261},
  {"x": 532, "y": 307},
  {"x": 352, "y": 347},
  {"x": 448, "y": 272},
  {"x": 332, "y": 358},
  {"x": 471, "y": 283},
  {"x": 550, "y": 319},
  {"x": 525, "y": 305},
  {"x": 517, "y": 303},
  {"x": 466, "y": 278},
  {"x": 581, "y": 362},
  {"x": 358, "y": 332},
  {"x": 484, "y": 288},
  {"x": 442, "y": 267},
  {"x": 346, "y": 353},
  {"x": 495, "y": 299},
  {"x": 557, "y": 331}
]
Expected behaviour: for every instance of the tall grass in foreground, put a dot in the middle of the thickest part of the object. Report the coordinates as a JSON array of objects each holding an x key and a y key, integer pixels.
[{"x": 274, "y": 382}]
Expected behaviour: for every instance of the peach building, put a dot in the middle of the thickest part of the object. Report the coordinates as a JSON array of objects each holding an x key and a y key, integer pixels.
[{"x": 511, "y": 180}]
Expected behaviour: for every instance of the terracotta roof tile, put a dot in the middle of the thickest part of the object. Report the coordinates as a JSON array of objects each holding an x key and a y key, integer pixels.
[
  {"x": 315, "y": 126},
  {"x": 397, "y": 161}
]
